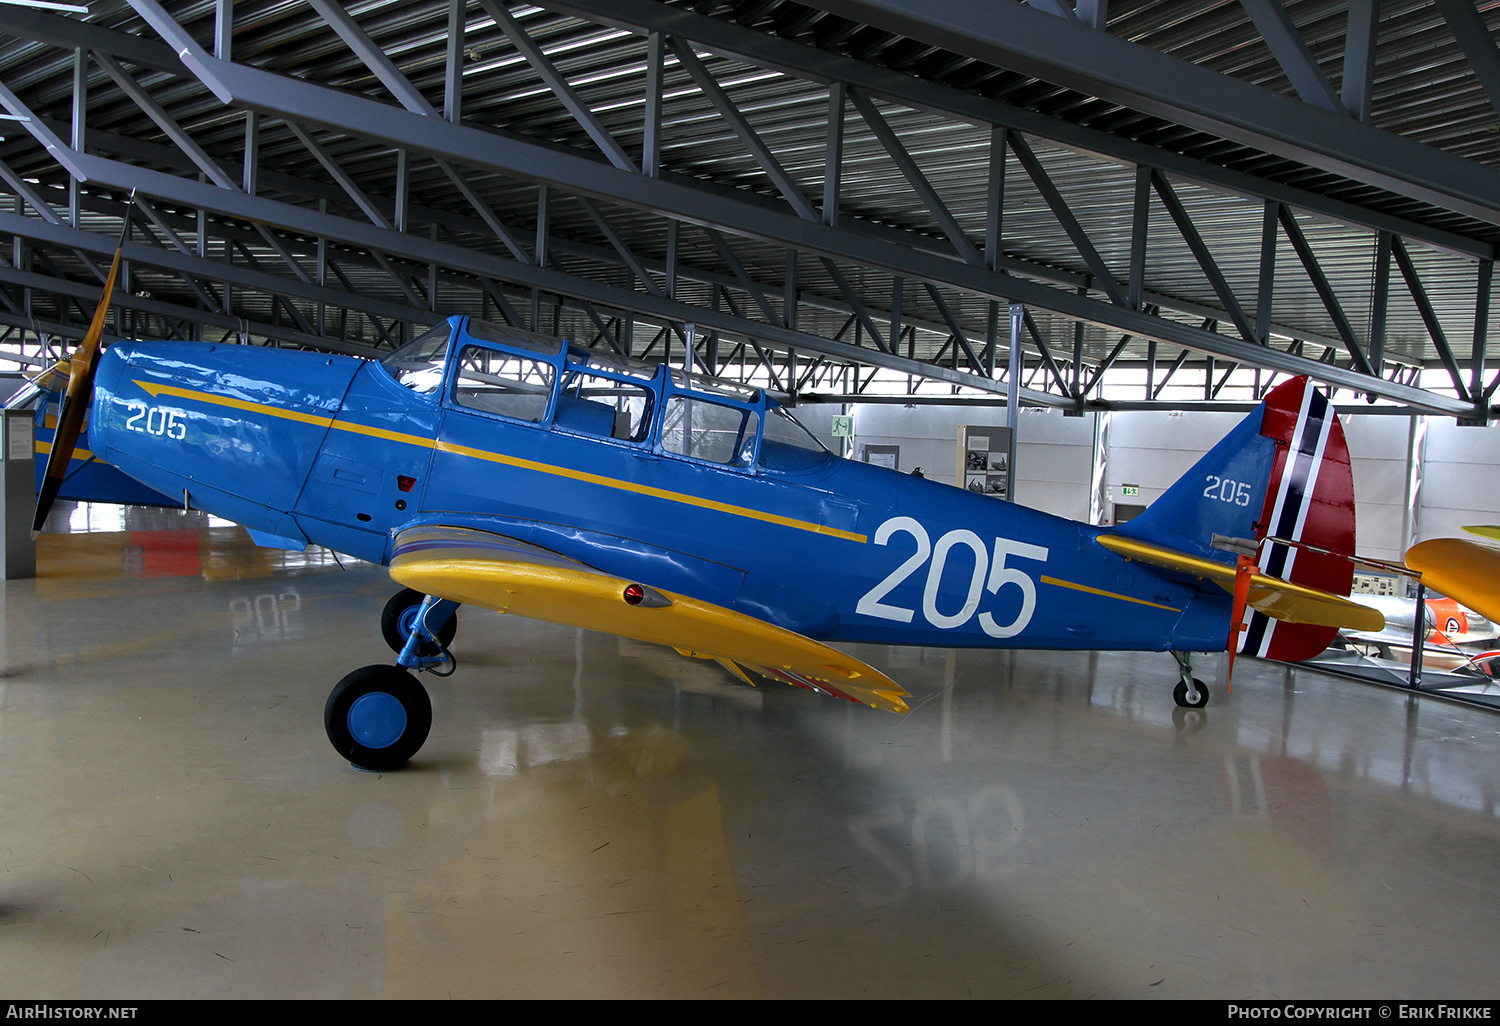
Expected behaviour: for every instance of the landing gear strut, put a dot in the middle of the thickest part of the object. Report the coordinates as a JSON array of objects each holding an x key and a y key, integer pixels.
[
  {"x": 378, "y": 716},
  {"x": 1190, "y": 692},
  {"x": 400, "y": 615}
]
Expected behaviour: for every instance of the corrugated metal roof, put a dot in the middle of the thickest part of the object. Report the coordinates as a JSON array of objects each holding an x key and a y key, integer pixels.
[{"x": 1423, "y": 90}]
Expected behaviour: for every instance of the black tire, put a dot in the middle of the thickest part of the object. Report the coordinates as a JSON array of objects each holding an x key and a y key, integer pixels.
[
  {"x": 378, "y": 717},
  {"x": 400, "y": 614},
  {"x": 1180, "y": 694}
]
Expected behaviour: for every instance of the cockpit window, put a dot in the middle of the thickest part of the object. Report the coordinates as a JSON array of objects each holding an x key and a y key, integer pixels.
[
  {"x": 419, "y": 364},
  {"x": 709, "y": 431},
  {"x": 504, "y": 383},
  {"x": 713, "y": 386},
  {"x": 605, "y": 406},
  {"x": 787, "y": 445},
  {"x": 516, "y": 338},
  {"x": 613, "y": 362}
]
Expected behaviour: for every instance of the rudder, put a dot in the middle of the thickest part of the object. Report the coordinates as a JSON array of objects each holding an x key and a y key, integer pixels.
[
  {"x": 1282, "y": 472},
  {"x": 1310, "y": 499}
]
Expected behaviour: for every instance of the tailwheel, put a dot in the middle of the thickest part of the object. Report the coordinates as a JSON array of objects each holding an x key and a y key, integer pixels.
[
  {"x": 378, "y": 717},
  {"x": 1197, "y": 699},
  {"x": 399, "y": 619},
  {"x": 1190, "y": 692}
]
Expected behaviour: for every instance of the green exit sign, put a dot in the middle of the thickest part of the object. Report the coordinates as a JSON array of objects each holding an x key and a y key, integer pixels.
[
  {"x": 843, "y": 426},
  {"x": 1128, "y": 491}
]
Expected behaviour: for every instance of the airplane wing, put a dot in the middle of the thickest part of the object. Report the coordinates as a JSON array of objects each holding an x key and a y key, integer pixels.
[
  {"x": 494, "y": 571},
  {"x": 1279, "y": 599},
  {"x": 1460, "y": 569}
]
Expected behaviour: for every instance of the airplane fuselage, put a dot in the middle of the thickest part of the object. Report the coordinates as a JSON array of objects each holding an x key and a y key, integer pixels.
[{"x": 642, "y": 473}]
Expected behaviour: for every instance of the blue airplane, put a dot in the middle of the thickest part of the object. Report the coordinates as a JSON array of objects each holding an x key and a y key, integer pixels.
[{"x": 492, "y": 466}]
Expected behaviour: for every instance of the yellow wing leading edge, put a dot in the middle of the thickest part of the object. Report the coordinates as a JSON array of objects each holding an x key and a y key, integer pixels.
[{"x": 498, "y": 572}]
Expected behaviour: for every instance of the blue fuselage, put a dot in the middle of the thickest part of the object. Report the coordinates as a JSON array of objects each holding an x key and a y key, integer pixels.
[{"x": 339, "y": 451}]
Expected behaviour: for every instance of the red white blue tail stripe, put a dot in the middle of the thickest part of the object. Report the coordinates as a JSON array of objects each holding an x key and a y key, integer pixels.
[{"x": 1311, "y": 499}]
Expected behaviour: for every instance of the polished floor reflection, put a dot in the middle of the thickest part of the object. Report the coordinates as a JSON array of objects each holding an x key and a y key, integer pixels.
[{"x": 596, "y": 818}]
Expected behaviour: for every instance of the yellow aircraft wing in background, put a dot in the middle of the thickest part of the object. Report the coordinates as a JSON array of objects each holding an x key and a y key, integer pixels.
[
  {"x": 498, "y": 572},
  {"x": 1462, "y": 570}
]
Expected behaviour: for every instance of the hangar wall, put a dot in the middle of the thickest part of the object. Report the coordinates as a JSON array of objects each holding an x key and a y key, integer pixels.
[
  {"x": 1054, "y": 454},
  {"x": 1379, "y": 448},
  {"x": 1152, "y": 449},
  {"x": 1459, "y": 483}
]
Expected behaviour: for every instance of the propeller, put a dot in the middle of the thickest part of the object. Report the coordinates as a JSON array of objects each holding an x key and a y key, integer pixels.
[{"x": 75, "y": 402}]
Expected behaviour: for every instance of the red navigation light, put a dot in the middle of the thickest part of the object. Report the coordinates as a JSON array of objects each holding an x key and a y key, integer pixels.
[{"x": 634, "y": 594}]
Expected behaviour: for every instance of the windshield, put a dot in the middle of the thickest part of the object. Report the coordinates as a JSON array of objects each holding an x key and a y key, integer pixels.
[
  {"x": 787, "y": 445},
  {"x": 419, "y": 364}
]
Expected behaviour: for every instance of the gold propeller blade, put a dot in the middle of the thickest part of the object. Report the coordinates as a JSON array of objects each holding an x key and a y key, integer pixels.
[{"x": 75, "y": 403}]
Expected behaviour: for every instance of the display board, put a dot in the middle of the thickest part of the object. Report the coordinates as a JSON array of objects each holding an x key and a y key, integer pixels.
[{"x": 984, "y": 461}]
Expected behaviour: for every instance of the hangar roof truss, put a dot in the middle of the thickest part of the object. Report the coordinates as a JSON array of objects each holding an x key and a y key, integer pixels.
[{"x": 833, "y": 197}]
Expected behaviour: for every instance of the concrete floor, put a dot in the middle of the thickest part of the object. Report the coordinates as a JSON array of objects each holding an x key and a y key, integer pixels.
[{"x": 597, "y": 818}]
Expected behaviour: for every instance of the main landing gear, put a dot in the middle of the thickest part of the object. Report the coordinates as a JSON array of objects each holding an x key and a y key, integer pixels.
[
  {"x": 400, "y": 615},
  {"x": 1190, "y": 692},
  {"x": 378, "y": 716}
]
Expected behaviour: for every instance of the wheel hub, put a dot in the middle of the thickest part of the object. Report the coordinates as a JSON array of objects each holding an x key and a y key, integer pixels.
[{"x": 377, "y": 720}]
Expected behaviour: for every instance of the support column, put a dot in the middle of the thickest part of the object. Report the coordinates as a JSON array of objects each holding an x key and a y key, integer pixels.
[{"x": 18, "y": 488}]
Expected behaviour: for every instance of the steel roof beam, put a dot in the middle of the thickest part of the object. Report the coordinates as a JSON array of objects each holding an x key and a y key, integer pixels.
[
  {"x": 673, "y": 197},
  {"x": 811, "y": 64},
  {"x": 915, "y": 178},
  {"x": 421, "y": 250},
  {"x": 188, "y": 266},
  {"x": 89, "y": 294},
  {"x": 1291, "y": 52},
  {"x": 844, "y": 246},
  {"x": 564, "y": 92},
  {"x": 165, "y": 156},
  {"x": 159, "y": 155},
  {"x": 785, "y": 184},
  {"x": 1474, "y": 39},
  {"x": 1016, "y": 37}
]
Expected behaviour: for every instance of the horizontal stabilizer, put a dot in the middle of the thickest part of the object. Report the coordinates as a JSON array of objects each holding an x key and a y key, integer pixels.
[
  {"x": 1460, "y": 569},
  {"x": 1278, "y": 599},
  {"x": 497, "y": 572}
]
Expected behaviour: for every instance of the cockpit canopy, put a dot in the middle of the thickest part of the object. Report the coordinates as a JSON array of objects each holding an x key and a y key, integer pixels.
[{"x": 535, "y": 379}]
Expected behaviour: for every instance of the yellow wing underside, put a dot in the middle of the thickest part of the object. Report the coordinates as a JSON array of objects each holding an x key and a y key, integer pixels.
[
  {"x": 530, "y": 582},
  {"x": 1278, "y": 599},
  {"x": 1462, "y": 570}
]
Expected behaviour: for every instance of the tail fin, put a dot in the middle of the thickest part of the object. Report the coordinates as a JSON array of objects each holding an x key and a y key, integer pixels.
[
  {"x": 1311, "y": 500},
  {"x": 1282, "y": 472}
]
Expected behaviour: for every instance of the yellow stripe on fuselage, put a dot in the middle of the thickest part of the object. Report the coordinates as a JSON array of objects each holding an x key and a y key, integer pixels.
[
  {"x": 656, "y": 493},
  {"x": 1107, "y": 594},
  {"x": 155, "y": 390}
]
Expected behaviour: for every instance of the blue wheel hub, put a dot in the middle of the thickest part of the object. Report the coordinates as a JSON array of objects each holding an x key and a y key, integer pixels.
[
  {"x": 406, "y": 623},
  {"x": 377, "y": 720}
]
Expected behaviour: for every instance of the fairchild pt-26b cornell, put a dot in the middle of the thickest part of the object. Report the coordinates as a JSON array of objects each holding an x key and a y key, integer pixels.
[{"x": 491, "y": 466}]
